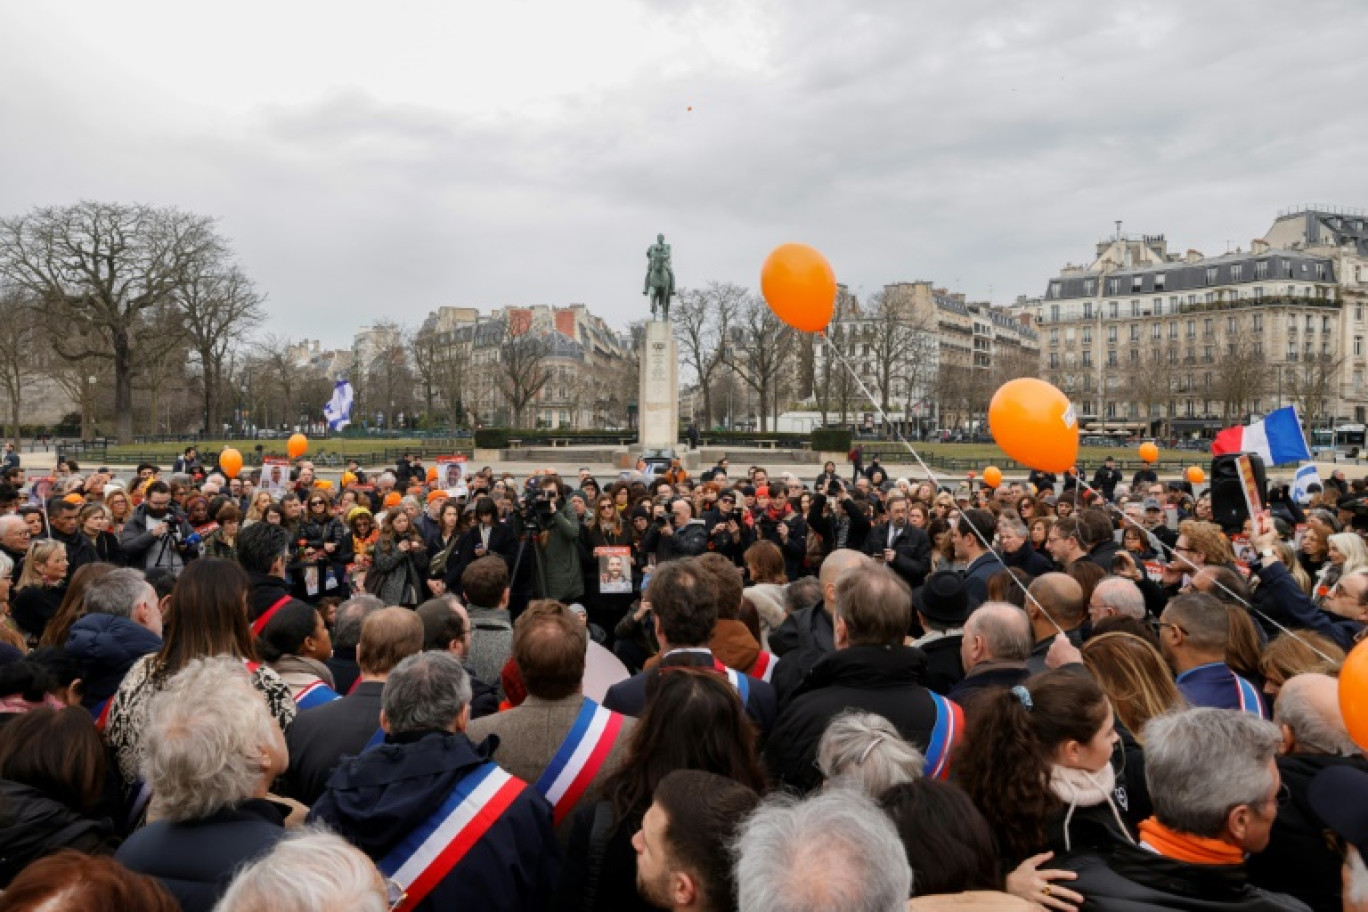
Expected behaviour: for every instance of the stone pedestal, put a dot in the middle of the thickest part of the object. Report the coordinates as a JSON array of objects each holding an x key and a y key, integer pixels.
[{"x": 658, "y": 399}]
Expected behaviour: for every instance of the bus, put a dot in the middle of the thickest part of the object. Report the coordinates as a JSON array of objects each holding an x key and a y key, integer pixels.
[{"x": 1349, "y": 440}]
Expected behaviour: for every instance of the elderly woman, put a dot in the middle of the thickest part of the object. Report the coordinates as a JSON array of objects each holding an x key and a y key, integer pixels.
[
  {"x": 311, "y": 870},
  {"x": 209, "y": 764},
  {"x": 864, "y": 751}
]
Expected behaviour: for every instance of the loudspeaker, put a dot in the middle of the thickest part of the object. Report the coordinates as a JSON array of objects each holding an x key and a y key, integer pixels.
[{"x": 1228, "y": 509}]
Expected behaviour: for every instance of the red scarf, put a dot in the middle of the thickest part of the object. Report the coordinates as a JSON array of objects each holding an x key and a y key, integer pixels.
[{"x": 1187, "y": 847}]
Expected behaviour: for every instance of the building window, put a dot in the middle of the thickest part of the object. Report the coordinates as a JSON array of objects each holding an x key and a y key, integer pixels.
[
  {"x": 1173, "y": 329},
  {"x": 1206, "y": 326},
  {"x": 1206, "y": 353},
  {"x": 1111, "y": 358},
  {"x": 1173, "y": 356},
  {"x": 1258, "y": 322},
  {"x": 1358, "y": 345},
  {"x": 1054, "y": 289},
  {"x": 1135, "y": 308},
  {"x": 1258, "y": 292},
  {"x": 1089, "y": 287},
  {"x": 1325, "y": 324},
  {"x": 1087, "y": 358},
  {"x": 1158, "y": 281},
  {"x": 1358, "y": 313},
  {"x": 1192, "y": 329},
  {"x": 1111, "y": 334},
  {"x": 1135, "y": 356},
  {"x": 1054, "y": 337},
  {"x": 1114, "y": 309},
  {"x": 1087, "y": 335},
  {"x": 1230, "y": 325},
  {"x": 1113, "y": 286},
  {"x": 1054, "y": 360},
  {"x": 1158, "y": 307},
  {"x": 1237, "y": 272},
  {"x": 1135, "y": 332},
  {"x": 1310, "y": 323},
  {"x": 1261, "y": 269},
  {"x": 1211, "y": 275},
  {"x": 1156, "y": 331},
  {"x": 1054, "y": 313}
]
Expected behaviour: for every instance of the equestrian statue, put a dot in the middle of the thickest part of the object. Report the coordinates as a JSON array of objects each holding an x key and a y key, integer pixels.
[{"x": 660, "y": 280}]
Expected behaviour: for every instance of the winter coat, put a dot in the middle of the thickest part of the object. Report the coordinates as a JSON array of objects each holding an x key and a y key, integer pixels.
[
  {"x": 911, "y": 552},
  {"x": 560, "y": 556},
  {"x": 33, "y": 606},
  {"x": 1027, "y": 558},
  {"x": 805, "y": 638},
  {"x": 107, "y": 646},
  {"x": 196, "y": 859},
  {"x": 377, "y": 799},
  {"x": 33, "y": 826},
  {"x": 148, "y": 552},
  {"x": 397, "y": 577}
]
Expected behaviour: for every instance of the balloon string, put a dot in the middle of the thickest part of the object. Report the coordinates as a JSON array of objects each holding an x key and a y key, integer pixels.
[
  {"x": 1174, "y": 553},
  {"x": 931, "y": 476}
]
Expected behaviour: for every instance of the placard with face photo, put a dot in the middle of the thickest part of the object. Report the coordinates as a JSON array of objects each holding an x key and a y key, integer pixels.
[
  {"x": 275, "y": 475},
  {"x": 451, "y": 473},
  {"x": 615, "y": 570}
]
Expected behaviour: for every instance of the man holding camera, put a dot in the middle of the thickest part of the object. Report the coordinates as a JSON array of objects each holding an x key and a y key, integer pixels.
[
  {"x": 558, "y": 542},
  {"x": 728, "y": 532},
  {"x": 777, "y": 521},
  {"x": 676, "y": 533},
  {"x": 156, "y": 536}
]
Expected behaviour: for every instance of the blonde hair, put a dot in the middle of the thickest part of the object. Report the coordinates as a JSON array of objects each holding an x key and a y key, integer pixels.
[
  {"x": 40, "y": 552},
  {"x": 1134, "y": 676},
  {"x": 256, "y": 511},
  {"x": 1351, "y": 546},
  {"x": 1287, "y": 656},
  {"x": 1207, "y": 539},
  {"x": 1288, "y": 555}
]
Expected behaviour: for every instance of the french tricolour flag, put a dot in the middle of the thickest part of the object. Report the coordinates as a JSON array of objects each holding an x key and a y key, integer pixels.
[{"x": 1278, "y": 438}]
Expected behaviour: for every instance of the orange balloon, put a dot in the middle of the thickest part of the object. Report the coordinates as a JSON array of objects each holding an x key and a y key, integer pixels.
[
  {"x": 1034, "y": 424},
  {"x": 1353, "y": 694},
  {"x": 1196, "y": 475},
  {"x": 992, "y": 476},
  {"x": 1149, "y": 452},
  {"x": 799, "y": 286},
  {"x": 230, "y": 460},
  {"x": 297, "y": 446}
]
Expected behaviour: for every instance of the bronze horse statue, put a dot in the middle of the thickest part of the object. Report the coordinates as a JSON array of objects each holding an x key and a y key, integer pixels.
[{"x": 660, "y": 282}]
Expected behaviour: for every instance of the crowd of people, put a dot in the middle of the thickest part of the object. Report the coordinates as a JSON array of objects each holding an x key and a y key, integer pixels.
[{"x": 413, "y": 689}]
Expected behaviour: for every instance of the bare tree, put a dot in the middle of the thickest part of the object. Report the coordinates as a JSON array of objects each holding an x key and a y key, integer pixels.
[
  {"x": 220, "y": 307},
  {"x": 760, "y": 350},
  {"x": 522, "y": 368},
  {"x": 701, "y": 318},
  {"x": 1310, "y": 384},
  {"x": 20, "y": 340},
  {"x": 1242, "y": 378},
  {"x": 97, "y": 267},
  {"x": 425, "y": 351}
]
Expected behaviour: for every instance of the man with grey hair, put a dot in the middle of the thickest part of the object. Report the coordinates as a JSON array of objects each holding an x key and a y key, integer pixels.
[
  {"x": 836, "y": 850},
  {"x": 346, "y": 634},
  {"x": 1298, "y": 860},
  {"x": 997, "y": 642},
  {"x": 437, "y": 816},
  {"x": 1116, "y": 596},
  {"x": 209, "y": 764},
  {"x": 123, "y": 623},
  {"x": 1216, "y": 790},
  {"x": 308, "y": 871}
]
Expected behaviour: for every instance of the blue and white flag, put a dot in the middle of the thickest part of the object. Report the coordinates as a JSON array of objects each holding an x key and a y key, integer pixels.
[
  {"x": 338, "y": 411},
  {"x": 1305, "y": 478}
]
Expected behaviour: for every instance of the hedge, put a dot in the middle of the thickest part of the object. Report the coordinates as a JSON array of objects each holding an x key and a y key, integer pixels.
[
  {"x": 832, "y": 440},
  {"x": 492, "y": 438}
]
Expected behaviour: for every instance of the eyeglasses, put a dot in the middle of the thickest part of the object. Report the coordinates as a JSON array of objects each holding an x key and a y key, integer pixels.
[{"x": 1177, "y": 627}]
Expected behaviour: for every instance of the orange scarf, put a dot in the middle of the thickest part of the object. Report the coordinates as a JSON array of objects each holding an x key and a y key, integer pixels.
[{"x": 1188, "y": 848}]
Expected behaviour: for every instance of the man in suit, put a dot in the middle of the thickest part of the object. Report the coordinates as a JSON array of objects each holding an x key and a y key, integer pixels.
[
  {"x": 971, "y": 534},
  {"x": 549, "y": 645},
  {"x": 684, "y": 601},
  {"x": 901, "y": 546},
  {"x": 322, "y": 736}
]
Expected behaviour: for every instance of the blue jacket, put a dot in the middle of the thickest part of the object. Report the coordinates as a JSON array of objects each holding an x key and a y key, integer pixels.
[
  {"x": 107, "y": 646},
  {"x": 1281, "y": 597},
  {"x": 976, "y": 577},
  {"x": 629, "y": 697},
  {"x": 1215, "y": 685},
  {"x": 377, "y": 799}
]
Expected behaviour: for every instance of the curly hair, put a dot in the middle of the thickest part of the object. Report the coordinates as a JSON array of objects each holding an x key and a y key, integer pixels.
[{"x": 1208, "y": 540}]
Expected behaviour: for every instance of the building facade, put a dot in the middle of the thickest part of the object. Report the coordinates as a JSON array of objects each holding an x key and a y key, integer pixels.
[{"x": 1145, "y": 341}]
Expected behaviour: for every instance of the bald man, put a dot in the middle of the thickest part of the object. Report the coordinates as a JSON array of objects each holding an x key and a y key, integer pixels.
[
  {"x": 1055, "y": 603},
  {"x": 1298, "y": 860},
  {"x": 808, "y": 634},
  {"x": 996, "y": 645}
]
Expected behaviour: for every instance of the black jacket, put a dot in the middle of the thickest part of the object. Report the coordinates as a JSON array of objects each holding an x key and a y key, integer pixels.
[
  {"x": 804, "y": 638},
  {"x": 376, "y": 800},
  {"x": 1103, "y": 555},
  {"x": 986, "y": 677},
  {"x": 976, "y": 577},
  {"x": 1030, "y": 560},
  {"x": 196, "y": 859},
  {"x": 629, "y": 697},
  {"x": 944, "y": 667},
  {"x": 1132, "y": 879},
  {"x": 857, "y": 528},
  {"x": 107, "y": 646},
  {"x": 1298, "y": 861},
  {"x": 911, "y": 552},
  {"x": 344, "y": 668},
  {"x": 33, "y": 826},
  {"x": 503, "y": 541},
  {"x": 320, "y": 737},
  {"x": 877, "y": 679},
  {"x": 33, "y": 606},
  {"x": 690, "y": 540}
]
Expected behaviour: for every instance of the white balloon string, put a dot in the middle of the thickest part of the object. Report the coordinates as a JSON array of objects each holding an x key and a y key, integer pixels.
[
  {"x": 1174, "y": 553},
  {"x": 931, "y": 476}
]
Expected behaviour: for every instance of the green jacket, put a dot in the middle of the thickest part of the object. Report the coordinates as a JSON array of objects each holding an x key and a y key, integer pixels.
[{"x": 560, "y": 556}]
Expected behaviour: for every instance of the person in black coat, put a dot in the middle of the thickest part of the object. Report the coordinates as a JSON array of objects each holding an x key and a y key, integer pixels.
[
  {"x": 487, "y": 536},
  {"x": 904, "y": 548},
  {"x": 942, "y": 606},
  {"x": 997, "y": 641},
  {"x": 845, "y": 525},
  {"x": 107, "y": 646},
  {"x": 1106, "y": 478},
  {"x": 378, "y": 799},
  {"x": 1016, "y": 548},
  {"x": 871, "y": 670}
]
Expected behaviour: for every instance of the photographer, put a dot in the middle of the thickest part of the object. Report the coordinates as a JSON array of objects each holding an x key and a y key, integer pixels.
[
  {"x": 777, "y": 521},
  {"x": 676, "y": 534},
  {"x": 557, "y": 541},
  {"x": 1282, "y": 506},
  {"x": 728, "y": 532},
  {"x": 838, "y": 518},
  {"x": 157, "y": 536}
]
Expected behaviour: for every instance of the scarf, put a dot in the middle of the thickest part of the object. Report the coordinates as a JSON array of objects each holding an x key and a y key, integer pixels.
[
  {"x": 293, "y": 664},
  {"x": 1077, "y": 787},
  {"x": 1187, "y": 847}
]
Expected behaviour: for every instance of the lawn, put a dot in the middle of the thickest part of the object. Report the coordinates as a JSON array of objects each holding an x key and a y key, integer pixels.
[
  {"x": 341, "y": 446},
  {"x": 961, "y": 455}
]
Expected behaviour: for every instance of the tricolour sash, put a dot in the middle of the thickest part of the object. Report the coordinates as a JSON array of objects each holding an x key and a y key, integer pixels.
[
  {"x": 764, "y": 666},
  {"x": 260, "y": 623},
  {"x": 949, "y": 724},
  {"x": 315, "y": 694},
  {"x": 1249, "y": 697},
  {"x": 428, "y": 854},
  {"x": 737, "y": 679},
  {"x": 100, "y": 713},
  {"x": 580, "y": 757}
]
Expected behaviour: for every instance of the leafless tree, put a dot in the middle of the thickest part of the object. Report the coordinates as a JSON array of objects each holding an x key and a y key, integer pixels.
[
  {"x": 760, "y": 350},
  {"x": 426, "y": 352},
  {"x": 97, "y": 267},
  {"x": 1310, "y": 383},
  {"x": 522, "y": 368},
  {"x": 701, "y": 318},
  {"x": 1241, "y": 378},
  {"x": 20, "y": 342},
  {"x": 220, "y": 307}
]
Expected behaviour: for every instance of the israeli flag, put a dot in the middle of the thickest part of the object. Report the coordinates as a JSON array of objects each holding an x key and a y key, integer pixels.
[
  {"x": 338, "y": 411},
  {"x": 1305, "y": 477}
]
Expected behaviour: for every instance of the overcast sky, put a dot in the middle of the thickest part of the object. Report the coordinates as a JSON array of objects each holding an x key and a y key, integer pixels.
[{"x": 384, "y": 159}]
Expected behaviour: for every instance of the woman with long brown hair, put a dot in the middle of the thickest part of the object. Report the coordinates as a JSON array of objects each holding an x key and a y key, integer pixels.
[
  {"x": 607, "y": 529},
  {"x": 207, "y": 616},
  {"x": 399, "y": 564},
  {"x": 1133, "y": 675},
  {"x": 694, "y": 720}
]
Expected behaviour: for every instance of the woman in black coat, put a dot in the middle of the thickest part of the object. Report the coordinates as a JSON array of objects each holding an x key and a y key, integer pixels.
[
  {"x": 606, "y": 529},
  {"x": 327, "y": 543}
]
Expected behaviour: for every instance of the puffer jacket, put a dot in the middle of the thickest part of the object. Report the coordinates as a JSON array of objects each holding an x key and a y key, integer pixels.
[
  {"x": 33, "y": 826},
  {"x": 107, "y": 646}
]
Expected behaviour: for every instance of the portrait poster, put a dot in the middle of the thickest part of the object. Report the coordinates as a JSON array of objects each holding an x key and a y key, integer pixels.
[
  {"x": 451, "y": 473},
  {"x": 615, "y": 570},
  {"x": 275, "y": 475}
]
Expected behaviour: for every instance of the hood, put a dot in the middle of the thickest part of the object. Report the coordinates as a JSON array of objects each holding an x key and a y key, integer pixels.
[
  {"x": 378, "y": 798},
  {"x": 868, "y": 667},
  {"x": 107, "y": 644},
  {"x": 733, "y": 644},
  {"x": 32, "y": 824}
]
